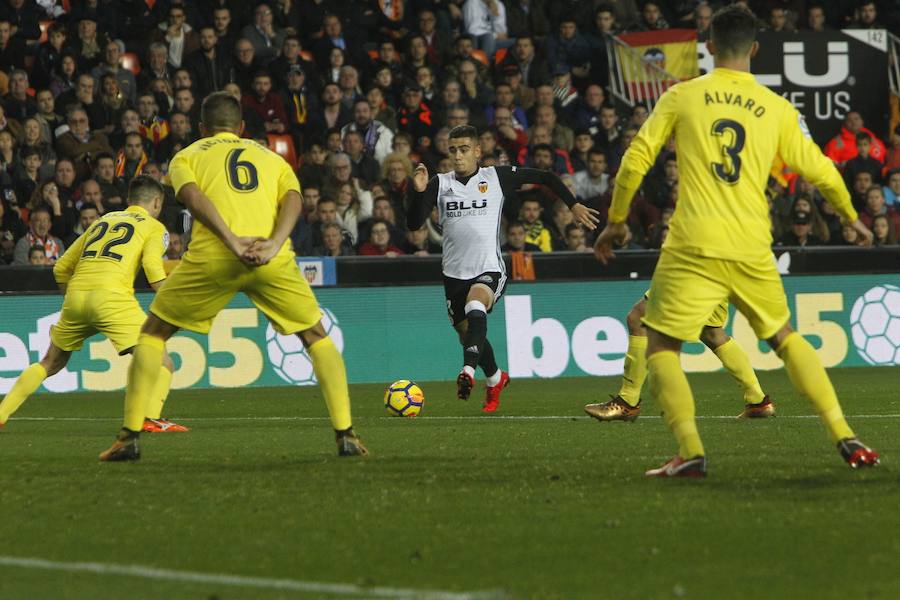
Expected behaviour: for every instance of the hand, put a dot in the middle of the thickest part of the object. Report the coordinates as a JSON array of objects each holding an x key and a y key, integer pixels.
[
  {"x": 613, "y": 233},
  {"x": 239, "y": 246},
  {"x": 585, "y": 216},
  {"x": 865, "y": 235},
  {"x": 420, "y": 178},
  {"x": 261, "y": 252}
]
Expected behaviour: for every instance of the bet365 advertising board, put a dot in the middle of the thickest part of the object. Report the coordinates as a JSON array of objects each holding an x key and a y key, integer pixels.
[{"x": 538, "y": 330}]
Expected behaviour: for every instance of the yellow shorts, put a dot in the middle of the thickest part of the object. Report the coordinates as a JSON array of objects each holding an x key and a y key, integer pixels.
[
  {"x": 718, "y": 318},
  {"x": 197, "y": 290},
  {"x": 688, "y": 288},
  {"x": 117, "y": 315}
]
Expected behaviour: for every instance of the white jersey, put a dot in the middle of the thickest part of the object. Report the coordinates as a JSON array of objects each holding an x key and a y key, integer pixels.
[{"x": 470, "y": 215}]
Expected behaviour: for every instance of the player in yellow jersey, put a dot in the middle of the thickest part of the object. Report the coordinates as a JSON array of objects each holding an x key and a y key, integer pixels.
[
  {"x": 97, "y": 275},
  {"x": 626, "y": 405},
  {"x": 728, "y": 130},
  {"x": 245, "y": 200}
]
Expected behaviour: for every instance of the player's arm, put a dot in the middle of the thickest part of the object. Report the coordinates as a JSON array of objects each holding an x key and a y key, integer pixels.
[
  {"x": 152, "y": 257},
  {"x": 65, "y": 266},
  {"x": 638, "y": 159},
  {"x": 798, "y": 150},
  {"x": 512, "y": 178},
  {"x": 424, "y": 198}
]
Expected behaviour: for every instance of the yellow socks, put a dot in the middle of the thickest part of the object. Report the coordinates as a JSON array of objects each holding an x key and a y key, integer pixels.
[
  {"x": 143, "y": 374},
  {"x": 29, "y": 381},
  {"x": 669, "y": 386},
  {"x": 635, "y": 369},
  {"x": 736, "y": 361},
  {"x": 809, "y": 377},
  {"x": 160, "y": 393},
  {"x": 328, "y": 365}
]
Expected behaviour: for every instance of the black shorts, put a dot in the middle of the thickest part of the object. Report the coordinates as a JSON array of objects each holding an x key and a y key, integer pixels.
[{"x": 456, "y": 291}]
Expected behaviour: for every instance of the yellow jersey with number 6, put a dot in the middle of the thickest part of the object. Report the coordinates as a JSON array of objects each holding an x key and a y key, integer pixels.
[
  {"x": 728, "y": 129},
  {"x": 108, "y": 255},
  {"x": 245, "y": 182}
]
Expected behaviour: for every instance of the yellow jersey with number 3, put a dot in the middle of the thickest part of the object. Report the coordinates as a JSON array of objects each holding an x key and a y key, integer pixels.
[
  {"x": 245, "y": 182},
  {"x": 108, "y": 255},
  {"x": 728, "y": 129}
]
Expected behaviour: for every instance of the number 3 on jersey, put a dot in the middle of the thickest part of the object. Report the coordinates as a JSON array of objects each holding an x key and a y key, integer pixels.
[
  {"x": 242, "y": 175},
  {"x": 734, "y": 137}
]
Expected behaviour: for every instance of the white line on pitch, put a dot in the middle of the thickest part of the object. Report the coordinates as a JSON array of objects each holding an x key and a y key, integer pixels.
[
  {"x": 443, "y": 418},
  {"x": 294, "y": 585}
]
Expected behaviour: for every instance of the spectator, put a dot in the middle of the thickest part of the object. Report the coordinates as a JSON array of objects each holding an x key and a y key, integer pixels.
[
  {"x": 875, "y": 206},
  {"x": 46, "y": 115},
  {"x": 427, "y": 80},
  {"x": 778, "y": 21},
  {"x": 842, "y": 147},
  {"x": 651, "y": 18},
  {"x": 594, "y": 181},
  {"x": 815, "y": 19},
  {"x": 850, "y": 237},
  {"x": 562, "y": 218},
  {"x": 180, "y": 136},
  {"x": 333, "y": 242},
  {"x": 861, "y": 184},
  {"x": 511, "y": 136},
  {"x": 541, "y": 153},
  {"x": 132, "y": 159},
  {"x": 112, "y": 101},
  {"x": 397, "y": 172},
  {"x": 383, "y": 112},
  {"x": 11, "y": 230},
  {"x": 414, "y": 117},
  {"x": 175, "y": 249},
  {"x": 416, "y": 58},
  {"x": 863, "y": 161},
  {"x": 83, "y": 94},
  {"x": 290, "y": 60},
  {"x": 112, "y": 65},
  {"x": 382, "y": 210},
  {"x": 334, "y": 115},
  {"x": 437, "y": 41},
  {"x": 485, "y": 21},
  {"x": 570, "y": 48},
  {"x": 88, "y": 45},
  {"x": 657, "y": 188},
  {"x": 152, "y": 127},
  {"x": 800, "y": 233},
  {"x": 111, "y": 190},
  {"x": 533, "y": 70},
  {"x": 584, "y": 143},
  {"x": 156, "y": 65},
  {"x": 223, "y": 25},
  {"x": 26, "y": 175},
  {"x": 379, "y": 243},
  {"x": 266, "y": 37},
  {"x": 38, "y": 235},
  {"x": 266, "y": 103},
  {"x": 377, "y": 138},
  {"x": 87, "y": 214},
  {"x": 526, "y": 18},
  {"x": 7, "y": 154},
  {"x": 892, "y": 157},
  {"x": 702, "y": 20},
  {"x": 209, "y": 66},
  {"x": 892, "y": 189},
  {"x": 79, "y": 144},
  {"x": 17, "y": 104},
  {"x": 49, "y": 54},
  {"x": 245, "y": 64},
  {"x": 535, "y": 232},
  {"x": 37, "y": 257},
  {"x": 516, "y": 240},
  {"x": 418, "y": 244},
  {"x": 561, "y": 136},
  {"x": 362, "y": 165},
  {"x": 885, "y": 234},
  {"x": 335, "y": 37},
  {"x": 820, "y": 227},
  {"x": 177, "y": 34},
  {"x": 867, "y": 16},
  {"x": 575, "y": 239},
  {"x": 12, "y": 48},
  {"x": 302, "y": 234}
]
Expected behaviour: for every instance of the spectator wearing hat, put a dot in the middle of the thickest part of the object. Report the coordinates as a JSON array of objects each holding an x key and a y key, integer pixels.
[
  {"x": 299, "y": 102},
  {"x": 209, "y": 65},
  {"x": 800, "y": 233},
  {"x": 565, "y": 92}
]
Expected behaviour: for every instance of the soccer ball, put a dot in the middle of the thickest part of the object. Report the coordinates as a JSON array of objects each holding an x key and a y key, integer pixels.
[
  {"x": 403, "y": 399},
  {"x": 289, "y": 358},
  {"x": 875, "y": 324}
]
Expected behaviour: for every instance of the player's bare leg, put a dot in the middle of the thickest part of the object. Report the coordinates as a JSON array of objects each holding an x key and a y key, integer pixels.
[
  {"x": 757, "y": 404},
  {"x": 154, "y": 422},
  {"x": 809, "y": 377},
  {"x": 669, "y": 385},
  {"x": 626, "y": 405},
  {"x": 31, "y": 379},
  {"x": 142, "y": 375},
  {"x": 332, "y": 376}
]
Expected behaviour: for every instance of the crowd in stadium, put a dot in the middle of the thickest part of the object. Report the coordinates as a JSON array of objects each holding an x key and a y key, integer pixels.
[{"x": 355, "y": 93}]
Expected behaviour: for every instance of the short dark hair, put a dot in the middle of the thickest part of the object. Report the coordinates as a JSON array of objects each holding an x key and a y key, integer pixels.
[
  {"x": 87, "y": 206},
  {"x": 862, "y": 135},
  {"x": 221, "y": 111},
  {"x": 463, "y": 131},
  {"x": 733, "y": 30},
  {"x": 515, "y": 224},
  {"x": 595, "y": 151},
  {"x": 143, "y": 189},
  {"x": 542, "y": 147}
]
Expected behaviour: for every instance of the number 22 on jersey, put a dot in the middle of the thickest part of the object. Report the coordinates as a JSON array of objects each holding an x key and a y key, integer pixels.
[{"x": 119, "y": 234}]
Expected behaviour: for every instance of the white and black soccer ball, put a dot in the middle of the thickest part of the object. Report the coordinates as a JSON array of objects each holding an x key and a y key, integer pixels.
[
  {"x": 875, "y": 325},
  {"x": 289, "y": 358}
]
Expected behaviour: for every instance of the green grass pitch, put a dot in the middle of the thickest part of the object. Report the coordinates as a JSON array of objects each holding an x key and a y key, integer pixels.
[{"x": 545, "y": 503}]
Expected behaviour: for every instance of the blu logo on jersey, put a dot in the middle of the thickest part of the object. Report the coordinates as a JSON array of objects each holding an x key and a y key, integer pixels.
[{"x": 463, "y": 205}]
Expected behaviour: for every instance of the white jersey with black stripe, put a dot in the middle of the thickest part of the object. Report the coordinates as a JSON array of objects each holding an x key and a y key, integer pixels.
[{"x": 470, "y": 215}]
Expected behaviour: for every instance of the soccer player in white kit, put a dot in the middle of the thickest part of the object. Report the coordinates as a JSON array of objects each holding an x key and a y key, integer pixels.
[{"x": 471, "y": 202}]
